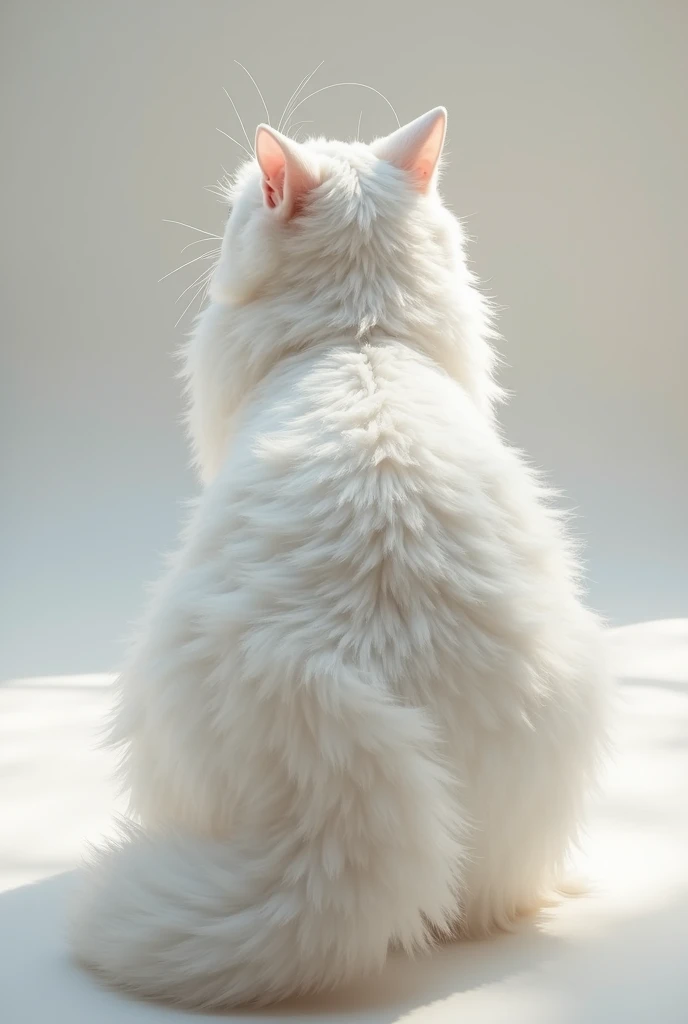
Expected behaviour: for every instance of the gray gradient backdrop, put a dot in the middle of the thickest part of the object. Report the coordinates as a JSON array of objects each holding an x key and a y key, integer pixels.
[{"x": 568, "y": 142}]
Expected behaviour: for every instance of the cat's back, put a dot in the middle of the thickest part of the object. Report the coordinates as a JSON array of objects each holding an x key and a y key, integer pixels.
[
  {"x": 360, "y": 511},
  {"x": 368, "y": 412},
  {"x": 364, "y": 440}
]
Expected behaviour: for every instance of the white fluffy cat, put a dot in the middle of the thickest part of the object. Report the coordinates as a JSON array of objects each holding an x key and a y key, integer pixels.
[{"x": 366, "y": 704}]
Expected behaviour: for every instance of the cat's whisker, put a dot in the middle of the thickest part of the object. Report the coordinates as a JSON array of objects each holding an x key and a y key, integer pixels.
[
  {"x": 286, "y": 113},
  {"x": 190, "y": 304},
  {"x": 203, "y": 256},
  {"x": 219, "y": 192},
  {"x": 337, "y": 85},
  {"x": 201, "y": 277},
  {"x": 358, "y": 127},
  {"x": 290, "y": 108},
  {"x": 298, "y": 124},
  {"x": 197, "y": 241},
  {"x": 181, "y": 223},
  {"x": 236, "y": 142},
  {"x": 290, "y": 100},
  {"x": 234, "y": 108},
  {"x": 262, "y": 98}
]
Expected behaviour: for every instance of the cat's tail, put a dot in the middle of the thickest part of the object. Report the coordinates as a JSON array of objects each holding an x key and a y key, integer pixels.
[{"x": 366, "y": 856}]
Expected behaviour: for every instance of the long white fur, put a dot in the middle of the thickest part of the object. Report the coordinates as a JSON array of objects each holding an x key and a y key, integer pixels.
[{"x": 366, "y": 703}]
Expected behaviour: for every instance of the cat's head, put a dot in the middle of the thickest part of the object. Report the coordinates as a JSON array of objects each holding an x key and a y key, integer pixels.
[{"x": 341, "y": 224}]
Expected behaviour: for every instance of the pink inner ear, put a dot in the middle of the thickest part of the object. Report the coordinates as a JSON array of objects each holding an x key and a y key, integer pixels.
[
  {"x": 426, "y": 160},
  {"x": 272, "y": 161},
  {"x": 416, "y": 147},
  {"x": 288, "y": 173},
  {"x": 273, "y": 191}
]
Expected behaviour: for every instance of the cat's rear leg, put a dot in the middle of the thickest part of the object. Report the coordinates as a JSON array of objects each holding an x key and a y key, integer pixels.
[{"x": 526, "y": 841}]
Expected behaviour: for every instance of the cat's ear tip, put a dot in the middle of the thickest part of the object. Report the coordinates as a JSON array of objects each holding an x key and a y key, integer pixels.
[
  {"x": 271, "y": 137},
  {"x": 437, "y": 113},
  {"x": 266, "y": 131},
  {"x": 270, "y": 146},
  {"x": 431, "y": 120},
  {"x": 263, "y": 129}
]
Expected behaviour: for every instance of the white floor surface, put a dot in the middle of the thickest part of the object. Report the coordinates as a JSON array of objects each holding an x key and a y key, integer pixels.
[{"x": 619, "y": 955}]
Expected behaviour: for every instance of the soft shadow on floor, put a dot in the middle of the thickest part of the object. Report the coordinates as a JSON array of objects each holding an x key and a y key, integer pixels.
[
  {"x": 629, "y": 969},
  {"x": 47, "y": 986},
  {"x": 406, "y": 984}
]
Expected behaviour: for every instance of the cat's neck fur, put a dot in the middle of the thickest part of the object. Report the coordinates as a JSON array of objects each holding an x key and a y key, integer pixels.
[
  {"x": 360, "y": 287},
  {"x": 234, "y": 348}
]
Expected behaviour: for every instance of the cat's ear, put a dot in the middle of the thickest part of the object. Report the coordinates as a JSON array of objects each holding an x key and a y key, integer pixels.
[
  {"x": 287, "y": 172},
  {"x": 416, "y": 147}
]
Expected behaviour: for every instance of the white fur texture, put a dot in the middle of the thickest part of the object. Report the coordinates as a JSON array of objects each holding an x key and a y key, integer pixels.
[{"x": 366, "y": 703}]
